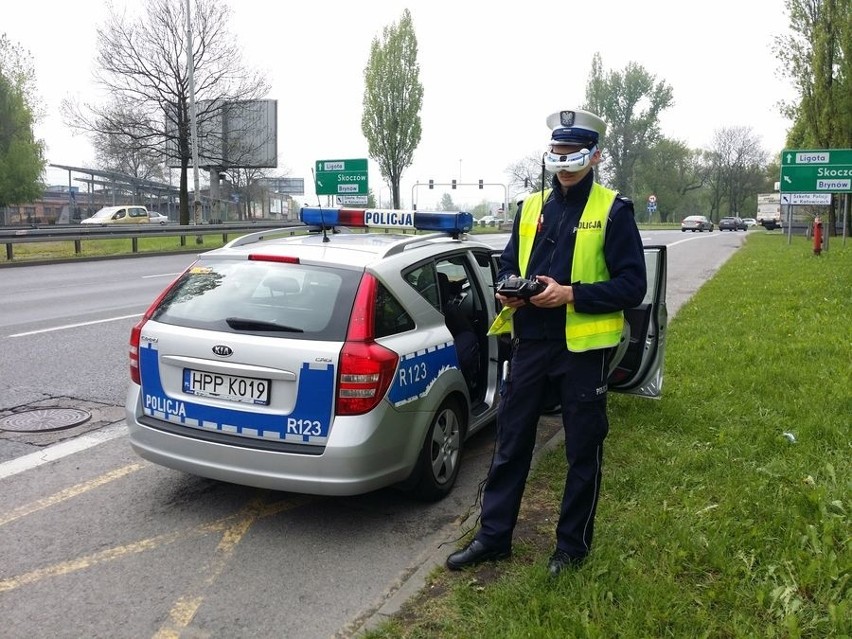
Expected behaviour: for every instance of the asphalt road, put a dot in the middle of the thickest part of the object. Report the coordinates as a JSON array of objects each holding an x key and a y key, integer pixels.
[{"x": 99, "y": 543}]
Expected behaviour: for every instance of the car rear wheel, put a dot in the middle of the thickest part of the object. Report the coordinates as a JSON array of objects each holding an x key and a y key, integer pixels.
[{"x": 440, "y": 457}]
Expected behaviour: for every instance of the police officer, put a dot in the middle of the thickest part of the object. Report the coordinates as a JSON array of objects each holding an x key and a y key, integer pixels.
[{"x": 580, "y": 240}]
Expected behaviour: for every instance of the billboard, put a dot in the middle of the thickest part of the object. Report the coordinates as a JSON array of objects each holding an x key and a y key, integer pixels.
[
  {"x": 284, "y": 185},
  {"x": 233, "y": 134}
]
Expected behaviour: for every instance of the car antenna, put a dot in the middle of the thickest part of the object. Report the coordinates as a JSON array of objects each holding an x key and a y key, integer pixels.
[{"x": 319, "y": 204}]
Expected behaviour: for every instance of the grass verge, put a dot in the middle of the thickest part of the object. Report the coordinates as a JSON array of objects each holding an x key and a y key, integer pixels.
[{"x": 725, "y": 506}]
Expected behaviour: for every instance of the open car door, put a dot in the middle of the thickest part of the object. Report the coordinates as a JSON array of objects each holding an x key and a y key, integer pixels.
[{"x": 637, "y": 364}]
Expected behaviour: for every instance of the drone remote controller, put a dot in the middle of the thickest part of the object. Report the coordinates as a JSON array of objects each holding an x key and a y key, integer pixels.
[{"x": 520, "y": 287}]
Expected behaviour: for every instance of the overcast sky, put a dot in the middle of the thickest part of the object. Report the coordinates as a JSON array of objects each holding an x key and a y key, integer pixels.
[{"x": 491, "y": 74}]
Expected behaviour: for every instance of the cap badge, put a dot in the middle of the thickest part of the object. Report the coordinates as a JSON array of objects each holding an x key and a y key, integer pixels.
[{"x": 566, "y": 118}]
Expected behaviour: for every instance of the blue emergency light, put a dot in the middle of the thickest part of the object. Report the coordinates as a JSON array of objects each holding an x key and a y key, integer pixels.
[{"x": 444, "y": 221}]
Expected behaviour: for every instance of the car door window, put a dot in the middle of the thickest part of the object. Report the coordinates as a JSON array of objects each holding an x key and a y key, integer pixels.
[
  {"x": 390, "y": 318},
  {"x": 424, "y": 280}
]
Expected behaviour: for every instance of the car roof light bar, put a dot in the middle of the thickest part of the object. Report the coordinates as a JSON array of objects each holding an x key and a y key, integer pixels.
[{"x": 454, "y": 222}]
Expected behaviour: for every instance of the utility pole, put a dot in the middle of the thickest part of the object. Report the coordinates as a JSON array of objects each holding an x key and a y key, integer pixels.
[{"x": 193, "y": 121}]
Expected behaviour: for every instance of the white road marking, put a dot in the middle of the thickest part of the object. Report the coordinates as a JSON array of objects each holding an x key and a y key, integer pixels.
[
  {"x": 66, "y": 326},
  {"x": 62, "y": 449},
  {"x": 694, "y": 237}
]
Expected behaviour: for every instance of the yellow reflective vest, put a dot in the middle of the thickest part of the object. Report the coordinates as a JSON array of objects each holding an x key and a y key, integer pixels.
[{"x": 583, "y": 331}]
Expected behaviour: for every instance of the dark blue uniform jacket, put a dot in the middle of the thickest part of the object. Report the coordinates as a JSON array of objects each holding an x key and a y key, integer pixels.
[{"x": 553, "y": 253}]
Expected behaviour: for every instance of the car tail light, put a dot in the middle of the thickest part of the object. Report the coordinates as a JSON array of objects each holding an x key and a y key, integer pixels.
[
  {"x": 136, "y": 332},
  {"x": 366, "y": 368},
  {"x": 286, "y": 259},
  {"x": 134, "y": 350}
]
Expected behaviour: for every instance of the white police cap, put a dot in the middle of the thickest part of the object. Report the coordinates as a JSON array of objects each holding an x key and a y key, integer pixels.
[{"x": 575, "y": 127}]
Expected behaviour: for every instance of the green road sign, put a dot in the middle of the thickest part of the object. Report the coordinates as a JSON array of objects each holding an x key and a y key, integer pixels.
[
  {"x": 816, "y": 171},
  {"x": 341, "y": 177},
  {"x": 798, "y": 157}
]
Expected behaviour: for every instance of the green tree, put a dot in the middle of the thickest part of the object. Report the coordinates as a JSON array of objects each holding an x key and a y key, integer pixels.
[
  {"x": 816, "y": 56},
  {"x": 142, "y": 66},
  {"x": 631, "y": 102},
  {"x": 393, "y": 97},
  {"x": 673, "y": 173},
  {"x": 21, "y": 155},
  {"x": 16, "y": 66},
  {"x": 483, "y": 208},
  {"x": 447, "y": 203},
  {"x": 371, "y": 200}
]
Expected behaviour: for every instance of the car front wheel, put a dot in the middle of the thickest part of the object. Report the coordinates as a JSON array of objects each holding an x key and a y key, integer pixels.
[{"x": 440, "y": 457}]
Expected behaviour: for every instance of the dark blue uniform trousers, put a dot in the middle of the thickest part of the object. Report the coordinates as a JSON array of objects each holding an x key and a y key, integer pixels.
[{"x": 579, "y": 379}]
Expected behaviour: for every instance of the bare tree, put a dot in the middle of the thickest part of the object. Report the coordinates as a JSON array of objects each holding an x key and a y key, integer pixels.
[
  {"x": 118, "y": 151},
  {"x": 737, "y": 168},
  {"x": 526, "y": 174},
  {"x": 142, "y": 65},
  {"x": 247, "y": 183}
]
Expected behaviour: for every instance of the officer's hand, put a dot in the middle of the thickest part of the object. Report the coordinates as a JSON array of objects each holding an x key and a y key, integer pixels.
[
  {"x": 511, "y": 302},
  {"x": 554, "y": 295}
]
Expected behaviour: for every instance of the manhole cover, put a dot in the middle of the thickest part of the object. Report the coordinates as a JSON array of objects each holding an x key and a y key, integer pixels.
[{"x": 43, "y": 419}]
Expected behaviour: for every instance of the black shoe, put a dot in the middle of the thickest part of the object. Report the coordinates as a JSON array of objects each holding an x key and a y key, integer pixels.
[
  {"x": 475, "y": 553},
  {"x": 560, "y": 561}
]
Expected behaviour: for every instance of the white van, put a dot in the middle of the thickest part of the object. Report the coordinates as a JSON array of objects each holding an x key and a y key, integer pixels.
[{"x": 119, "y": 215}]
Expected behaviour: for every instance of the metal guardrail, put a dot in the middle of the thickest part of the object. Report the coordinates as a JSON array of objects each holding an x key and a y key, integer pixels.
[{"x": 77, "y": 234}]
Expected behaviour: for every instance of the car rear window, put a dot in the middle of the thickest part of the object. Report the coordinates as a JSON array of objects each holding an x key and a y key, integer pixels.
[{"x": 293, "y": 301}]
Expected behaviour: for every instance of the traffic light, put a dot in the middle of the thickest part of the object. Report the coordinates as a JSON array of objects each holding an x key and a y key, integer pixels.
[
  {"x": 480, "y": 184},
  {"x": 431, "y": 184},
  {"x": 454, "y": 184}
]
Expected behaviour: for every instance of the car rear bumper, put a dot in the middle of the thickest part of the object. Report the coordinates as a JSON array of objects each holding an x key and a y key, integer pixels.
[{"x": 357, "y": 458}]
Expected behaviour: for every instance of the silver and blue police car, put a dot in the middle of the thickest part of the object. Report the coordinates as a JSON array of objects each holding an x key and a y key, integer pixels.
[{"x": 337, "y": 361}]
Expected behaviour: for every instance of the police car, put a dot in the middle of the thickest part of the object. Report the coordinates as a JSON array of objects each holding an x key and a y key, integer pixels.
[{"x": 337, "y": 361}]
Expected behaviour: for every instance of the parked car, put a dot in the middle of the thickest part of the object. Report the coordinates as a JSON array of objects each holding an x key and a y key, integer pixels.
[
  {"x": 732, "y": 224},
  {"x": 698, "y": 223},
  {"x": 338, "y": 363},
  {"x": 118, "y": 215},
  {"x": 157, "y": 218},
  {"x": 488, "y": 220},
  {"x": 749, "y": 221}
]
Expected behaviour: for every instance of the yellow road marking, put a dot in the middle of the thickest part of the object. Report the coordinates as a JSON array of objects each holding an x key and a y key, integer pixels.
[
  {"x": 68, "y": 493},
  {"x": 109, "y": 554},
  {"x": 232, "y": 527},
  {"x": 184, "y": 609}
]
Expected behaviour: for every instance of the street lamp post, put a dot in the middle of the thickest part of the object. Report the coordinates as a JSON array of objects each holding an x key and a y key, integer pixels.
[{"x": 190, "y": 63}]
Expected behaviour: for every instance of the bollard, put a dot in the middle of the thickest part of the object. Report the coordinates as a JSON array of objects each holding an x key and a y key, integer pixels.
[{"x": 817, "y": 236}]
